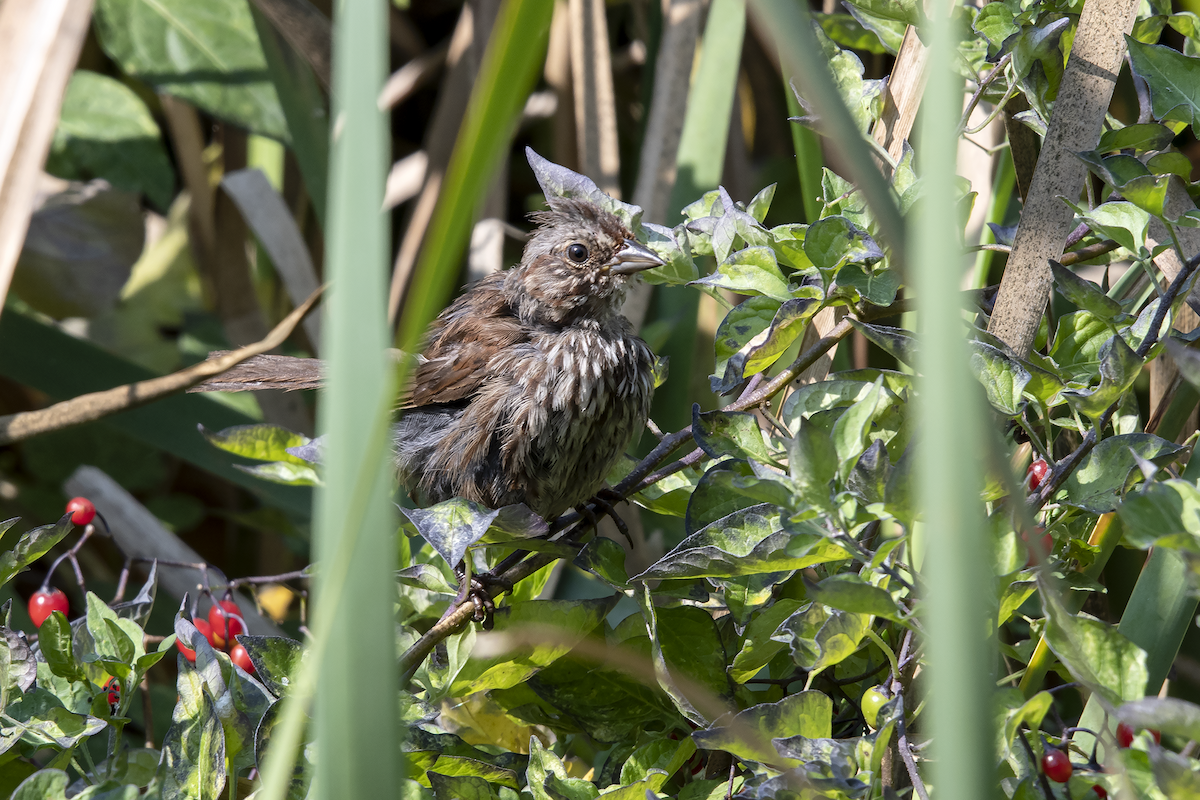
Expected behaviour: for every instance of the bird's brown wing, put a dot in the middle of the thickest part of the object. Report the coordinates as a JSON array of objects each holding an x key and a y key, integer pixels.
[{"x": 461, "y": 344}]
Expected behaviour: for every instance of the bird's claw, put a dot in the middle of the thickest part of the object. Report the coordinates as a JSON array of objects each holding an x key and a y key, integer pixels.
[
  {"x": 478, "y": 592},
  {"x": 605, "y": 502}
]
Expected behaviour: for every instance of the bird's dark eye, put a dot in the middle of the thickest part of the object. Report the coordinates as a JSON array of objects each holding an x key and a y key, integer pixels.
[{"x": 577, "y": 253}]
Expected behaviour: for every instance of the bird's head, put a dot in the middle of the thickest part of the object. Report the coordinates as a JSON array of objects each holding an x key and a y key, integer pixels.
[{"x": 577, "y": 265}]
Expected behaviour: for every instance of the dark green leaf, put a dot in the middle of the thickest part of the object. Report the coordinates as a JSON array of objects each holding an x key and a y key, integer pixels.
[
  {"x": 732, "y": 485},
  {"x": 1119, "y": 368},
  {"x": 605, "y": 559},
  {"x": 205, "y": 53},
  {"x": 276, "y": 660},
  {"x": 545, "y": 768},
  {"x": 54, "y": 639},
  {"x": 896, "y": 342},
  {"x": 461, "y": 787},
  {"x": 849, "y": 592},
  {"x": 1097, "y": 483},
  {"x": 747, "y": 542},
  {"x": 1003, "y": 377},
  {"x": 452, "y": 526},
  {"x": 32, "y": 545},
  {"x": 1173, "y": 79},
  {"x": 1094, "y": 653},
  {"x": 46, "y": 784},
  {"x": 813, "y": 463},
  {"x": 571, "y": 620},
  {"x": 877, "y": 287},
  {"x": 749, "y": 734},
  {"x": 729, "y": 433},
  {"x": 1145, "y": 137},
  {"x": 758, "y": 648},
  {"x": 106, "y": 131},
  {"x": 833, "y": 242},
  {"x": 1084, "y": 294}
]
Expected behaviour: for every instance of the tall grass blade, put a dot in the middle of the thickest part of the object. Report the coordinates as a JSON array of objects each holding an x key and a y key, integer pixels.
[{"x": 957, "y": 557}]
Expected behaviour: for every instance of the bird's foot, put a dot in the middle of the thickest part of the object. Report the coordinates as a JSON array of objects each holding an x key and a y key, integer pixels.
[
  {"x": 605, "y": 502},
  {"x": 479, "y": 592}
]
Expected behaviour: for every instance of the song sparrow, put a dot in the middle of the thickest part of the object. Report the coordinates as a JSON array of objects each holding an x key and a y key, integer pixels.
[{"x": 531, "y": 384}]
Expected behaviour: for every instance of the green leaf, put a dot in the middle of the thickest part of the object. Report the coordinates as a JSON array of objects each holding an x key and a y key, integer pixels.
[
  {"x": 1123, "y": 222},
  {"x": 460, "y": 787},
  {"x": 1144, "y": 137},
  {"x": 193, "y": 764},
  {"x": 750, "y": 541},
  {"x": 283, "y": 473},
  {"x": 822, "y": 396},
  {"x": 547, "y": 777},
  {"x": 833, "y": 242},
  {"x": 1084, "y": 294},
  {"x": 261, "y": 442},
  {"x": 813, "y": 463},
  {"x": 46, "y": 784},
  {"x": 758, "y": 648},
  {"x": 863, "y": 98},
  {"x": 1018, "y": 712},
  {"x": 605, "y": 559},
  {"x": 752, "y": 270},
  {"x": 730, "y": 486},
  {"x": 205, "y": 53},
  {"x": 1094, "y": 652},
  {"x": 1172, "y": 163},
  {"x": 755, "y": 334},
  {"x": 54, "y": 639},
  {"x": 850, "y": 431},
  {"x": 32, "y": 545},
  {"x": 748, "y": 735},
  {"x": 760, "y": 204},
  {"x": 849, "y": 592},
  {"x": 885, "y": 19},
  {"x": 994, "y": 22},
  {"x": 571, "y": 620},
  {"x": 896, "y": 342},
  {"x": 1077, "y": 343},
  {"x": 1173, "y": 79},
  {"x": 106, "y": 131},
  {"x": 1003, "y": 377},
  {"x": 877, "y": 287},
  {"x": 1162, "y": 510},
  {"x": 276, "y": 660},
  {"x": 454, "y": 525},
  {"x": 1119, "y": 368},
  {"x": 1097, "y": 483},
  {"x": 729, "y": 433}
]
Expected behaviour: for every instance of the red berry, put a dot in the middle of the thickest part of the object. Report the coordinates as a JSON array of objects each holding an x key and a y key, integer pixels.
[
  {"x": 43, "y": 603},
  {"x": 208, "y": 633},
  {"x": 1044, "y": 539},
  {"x": 1057, "y": 765},
  {"x": 81, "y": 510},
  {"x": 226, "y": 620},
  {"x": 1124, "y": 735},
  {"x": 1100, "y": 792},
  {"x": 1037, "y": 473},
  {"x": 239, "y": 656},
  {"x": 188, "y": 652}
]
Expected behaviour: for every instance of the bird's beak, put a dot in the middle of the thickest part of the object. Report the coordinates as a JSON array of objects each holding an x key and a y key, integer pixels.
[{"x": 633, "y": 258}]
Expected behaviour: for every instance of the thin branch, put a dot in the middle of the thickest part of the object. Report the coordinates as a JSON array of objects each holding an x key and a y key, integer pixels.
[
  {"x": 94, "y": 406},
  {"x": 983, "y": 84}
]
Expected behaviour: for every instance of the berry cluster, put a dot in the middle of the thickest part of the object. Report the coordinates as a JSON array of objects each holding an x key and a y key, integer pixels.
[{"x": 221, "y": 628}]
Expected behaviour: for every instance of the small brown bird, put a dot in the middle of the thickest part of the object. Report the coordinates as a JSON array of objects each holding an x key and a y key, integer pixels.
[{"x": 532, "y": 384}]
